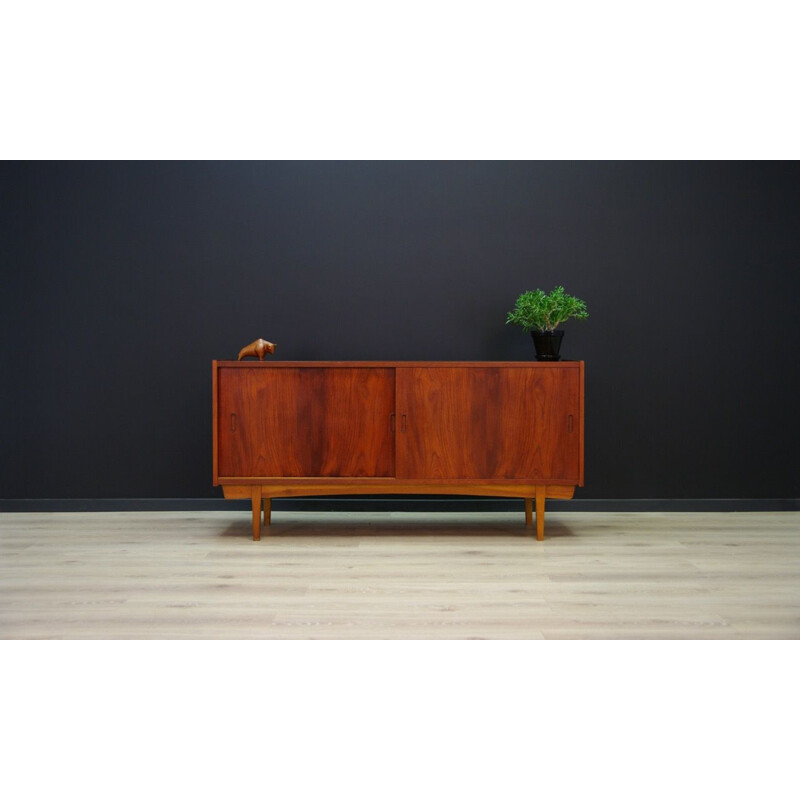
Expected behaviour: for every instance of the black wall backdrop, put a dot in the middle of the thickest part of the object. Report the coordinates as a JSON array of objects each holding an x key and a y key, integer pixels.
[{"x": 121, "y": 281}]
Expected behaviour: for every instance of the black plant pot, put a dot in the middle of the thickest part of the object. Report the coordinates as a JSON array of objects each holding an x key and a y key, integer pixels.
[{"x": 547, "y": 344}]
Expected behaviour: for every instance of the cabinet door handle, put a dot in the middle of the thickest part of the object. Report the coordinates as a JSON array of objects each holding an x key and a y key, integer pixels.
[
  {"x": 403, "y": 424},
  {"x": 391, "y": 421},
  {"x": 570, "y": 423},
  {"x": 233, "y": 422}
]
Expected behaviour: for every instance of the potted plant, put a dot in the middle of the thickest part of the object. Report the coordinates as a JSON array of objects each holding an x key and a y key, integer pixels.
[{"x": 541, "y": 313}]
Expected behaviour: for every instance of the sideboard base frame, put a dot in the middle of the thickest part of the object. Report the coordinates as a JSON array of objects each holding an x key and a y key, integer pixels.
[{"x": 261, "y": 494}]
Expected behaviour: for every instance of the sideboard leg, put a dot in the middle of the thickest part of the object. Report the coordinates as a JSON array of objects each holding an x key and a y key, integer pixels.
[
  {"x": 267, "y": 511},
  {"x": 528, "y": 512},
  {"x": 255, "y": 496},
  {"x": 540, "y": 512}
]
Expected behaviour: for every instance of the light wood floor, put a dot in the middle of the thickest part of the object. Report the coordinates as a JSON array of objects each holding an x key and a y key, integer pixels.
[{"x": 199, "y": 575}]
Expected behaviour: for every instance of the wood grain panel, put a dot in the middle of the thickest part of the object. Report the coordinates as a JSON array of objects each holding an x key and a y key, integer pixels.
[
  {"x": 311, "y": 487},
  {"x": 298, "y": 422},
  {"x": 489, "y": 422}
]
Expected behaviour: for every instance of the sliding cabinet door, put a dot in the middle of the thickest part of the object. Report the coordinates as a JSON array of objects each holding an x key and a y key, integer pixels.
[
  {"x": 305, "y": 422},
  {"x": 489, "y": 423}
]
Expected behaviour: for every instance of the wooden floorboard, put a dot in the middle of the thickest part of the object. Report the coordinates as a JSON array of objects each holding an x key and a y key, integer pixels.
[{"x": 199, "y": 575}]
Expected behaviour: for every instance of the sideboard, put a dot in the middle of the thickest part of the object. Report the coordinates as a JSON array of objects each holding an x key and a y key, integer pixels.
[{"x": 488, "y": 428}]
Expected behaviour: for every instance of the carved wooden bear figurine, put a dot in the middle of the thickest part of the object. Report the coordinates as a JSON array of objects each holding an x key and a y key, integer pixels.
[{"x": 257, "y": 349}]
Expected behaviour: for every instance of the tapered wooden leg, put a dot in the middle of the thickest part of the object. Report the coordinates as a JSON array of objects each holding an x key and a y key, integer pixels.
[
  {"x": 540, "y": 512},
  {"x": 267, "y": 511},
  {"x": 528, "y": 512},
  {"x": 255, "y": 495}
]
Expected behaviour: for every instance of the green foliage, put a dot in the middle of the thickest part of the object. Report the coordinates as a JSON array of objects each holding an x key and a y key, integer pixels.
[{"x": 543, "y": 312}]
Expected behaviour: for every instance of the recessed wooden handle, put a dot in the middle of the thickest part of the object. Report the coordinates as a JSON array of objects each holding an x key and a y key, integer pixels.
[
  {"x": 570, "y": 423},
  {"x": 233, "y": 422},
  {"x": 403, "y": 424},
  {"x": 391, "y": 421}
]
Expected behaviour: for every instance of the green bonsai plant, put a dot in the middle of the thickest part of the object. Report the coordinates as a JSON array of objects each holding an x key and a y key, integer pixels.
[
  {"x": 541, "y": 313},
  {"x": 537, "y": 311}
]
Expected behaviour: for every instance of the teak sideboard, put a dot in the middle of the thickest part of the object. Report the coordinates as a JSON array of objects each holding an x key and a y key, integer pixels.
[{"x": 490, "y": 428}]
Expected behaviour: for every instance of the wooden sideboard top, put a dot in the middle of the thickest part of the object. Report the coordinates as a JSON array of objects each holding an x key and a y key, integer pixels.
[{"x": 384, "y": 364}]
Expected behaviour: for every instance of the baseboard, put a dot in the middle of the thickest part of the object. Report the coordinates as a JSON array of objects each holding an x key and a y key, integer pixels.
[{"x": 395, "y": 503}]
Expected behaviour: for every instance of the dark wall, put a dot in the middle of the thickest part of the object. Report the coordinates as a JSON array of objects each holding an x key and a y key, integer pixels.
[{"x": 122, "y": 281}]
